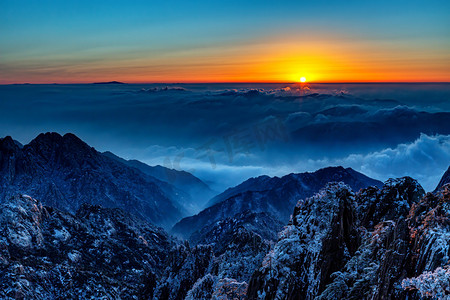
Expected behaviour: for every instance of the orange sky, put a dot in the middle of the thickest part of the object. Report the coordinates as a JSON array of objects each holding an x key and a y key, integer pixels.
[
  {"x": 79, "y": 41},
  {"x": 319, "y": 58}
]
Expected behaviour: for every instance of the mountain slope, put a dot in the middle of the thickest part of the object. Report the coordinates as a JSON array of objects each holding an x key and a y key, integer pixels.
[
  {"x": 272, "y": 195},
  {"x": 185, "y": 181},
  {"x": 64, "y": 172}
]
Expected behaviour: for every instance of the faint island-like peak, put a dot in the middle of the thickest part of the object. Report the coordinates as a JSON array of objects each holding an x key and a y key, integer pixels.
[{"x": 109, "y": 82}]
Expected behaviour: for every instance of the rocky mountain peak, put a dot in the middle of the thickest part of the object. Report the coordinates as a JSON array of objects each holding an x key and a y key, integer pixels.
[
  {"x": 67, "y": 149},
  {"x": 47, "y": 140},
  {"x": 444, "y": 180},
  {"x": 7, "y": 143},
  {"x": 394, "y": 199}
]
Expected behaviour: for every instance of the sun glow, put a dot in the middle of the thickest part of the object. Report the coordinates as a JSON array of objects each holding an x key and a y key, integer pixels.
[{"x": 302, "y": 79}]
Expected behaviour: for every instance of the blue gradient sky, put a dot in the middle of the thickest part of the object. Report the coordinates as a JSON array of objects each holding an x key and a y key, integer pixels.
[{"x": 191, "y": 41}]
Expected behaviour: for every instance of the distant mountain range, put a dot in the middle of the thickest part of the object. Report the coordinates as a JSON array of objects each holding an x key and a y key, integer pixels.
[
  {"x": 64, "y": 172},
  {"x": 273, "y": 195}
]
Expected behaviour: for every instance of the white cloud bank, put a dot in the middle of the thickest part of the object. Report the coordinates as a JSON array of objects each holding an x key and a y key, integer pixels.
[{"x": 425, "y": 159}]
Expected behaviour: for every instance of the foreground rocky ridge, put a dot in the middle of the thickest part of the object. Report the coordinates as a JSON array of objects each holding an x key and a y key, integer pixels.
[
  {"x": 389, "y": 242},
  {"x": 376, "y": 244},
  {"x": 49, "y": 254}
]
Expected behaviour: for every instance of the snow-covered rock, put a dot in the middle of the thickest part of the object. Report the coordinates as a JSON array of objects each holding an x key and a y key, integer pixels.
[
  {"x": 316, "y": 243},
  {"x": 184, "y": 267},
  {"x": 341, "y": 245},
  {"x": 49, "y": 254},
  {"x": 434, "y": 284}
]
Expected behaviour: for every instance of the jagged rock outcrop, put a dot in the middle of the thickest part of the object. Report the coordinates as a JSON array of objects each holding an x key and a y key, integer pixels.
[
  {"x": 64, "y": 172},
  {"x": 210, "y": 287},
  {"x": 317, "y": 242},
  {"x": 429, "y": 228},
  {"x": 394, "y": 243},
  {"x": 240, "y": 244},
  {"x": 96, "y": 253},
  {"x": 394, "y": 199},
  {"x": 185, "y": 266},
  {"x": 273, "y": 195},
  {"x": 434, "y": 284}
]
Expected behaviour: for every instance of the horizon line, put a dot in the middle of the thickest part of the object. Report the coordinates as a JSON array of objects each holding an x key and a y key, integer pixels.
[{"x": 231, "y": 82}]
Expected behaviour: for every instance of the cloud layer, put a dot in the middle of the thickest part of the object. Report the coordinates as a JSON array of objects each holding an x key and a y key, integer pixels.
[
  {"x": 425, "y": 159},
  {"x": 226, "y": 133}
]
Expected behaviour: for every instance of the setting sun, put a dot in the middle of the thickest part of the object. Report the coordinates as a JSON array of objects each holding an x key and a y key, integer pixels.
[{"x": 302, "y": 79}]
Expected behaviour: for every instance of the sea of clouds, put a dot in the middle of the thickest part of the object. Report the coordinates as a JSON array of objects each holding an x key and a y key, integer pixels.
[{"x": 227, "y": 133}]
